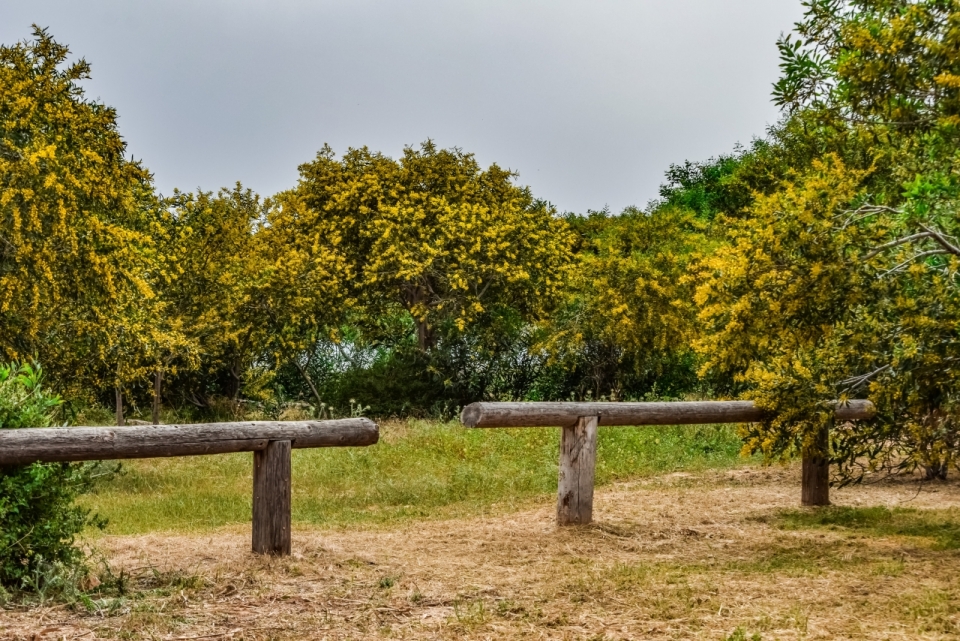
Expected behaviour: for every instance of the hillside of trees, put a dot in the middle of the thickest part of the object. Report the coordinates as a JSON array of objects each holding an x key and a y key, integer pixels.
[{"x": 818, "y": 262}]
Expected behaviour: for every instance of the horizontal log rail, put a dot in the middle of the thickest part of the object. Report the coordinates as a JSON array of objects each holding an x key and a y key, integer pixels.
[
  {"x": 51, "y": 444},
  {"x": 578, "y": 441},
  {"x": 633, "y": 414},
  {"x": 270, "y": 442}
]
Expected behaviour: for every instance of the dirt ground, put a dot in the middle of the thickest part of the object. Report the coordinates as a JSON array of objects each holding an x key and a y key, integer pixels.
[{"x": 683, "y": 556}]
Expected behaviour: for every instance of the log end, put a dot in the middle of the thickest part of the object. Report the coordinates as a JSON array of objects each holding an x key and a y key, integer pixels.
[
  {"x": 471, "y": 415},
  {"x": 372, "y": 431}
]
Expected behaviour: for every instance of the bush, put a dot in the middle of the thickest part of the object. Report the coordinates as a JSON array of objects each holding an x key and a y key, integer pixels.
[{"x": 40, "y": 520}]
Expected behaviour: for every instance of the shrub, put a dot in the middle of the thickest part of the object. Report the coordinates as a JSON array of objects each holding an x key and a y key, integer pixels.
[{"x": 40, "y": 520}]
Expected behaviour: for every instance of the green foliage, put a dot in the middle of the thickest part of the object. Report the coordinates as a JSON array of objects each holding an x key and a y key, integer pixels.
[
  {"x": 887, "y": 62},
  {"x": 500, "y": 360},
  {"x": 40, "y": 520},
  {"x": 23, "y": 401},
  {"x": 707, "y": 188}
]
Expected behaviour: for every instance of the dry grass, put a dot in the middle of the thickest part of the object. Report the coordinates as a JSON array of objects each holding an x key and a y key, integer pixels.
[{"x": 709, "y": 555}]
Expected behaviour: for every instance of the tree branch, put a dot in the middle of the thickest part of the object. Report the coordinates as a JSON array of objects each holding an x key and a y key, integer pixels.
[
  {"x": 942, "y": 240},
  {"x": 926, "y": 254},
  {"x": 855, "y": 382},
  {"x": 898, "y": 242}
]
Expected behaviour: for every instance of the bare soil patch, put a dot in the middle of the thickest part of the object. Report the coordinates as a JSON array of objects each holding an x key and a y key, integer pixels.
[{"x": 714, "y": 555}]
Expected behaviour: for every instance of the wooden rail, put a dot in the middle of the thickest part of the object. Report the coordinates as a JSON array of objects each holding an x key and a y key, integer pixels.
[
  {"x": 270, "y": 442},
  {"x": 578, "y": 441}
]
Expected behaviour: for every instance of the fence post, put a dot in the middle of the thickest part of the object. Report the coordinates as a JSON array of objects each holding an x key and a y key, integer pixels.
[
  {"x": 815, "y": 488},
  {"x": 578, "y": 461},
  {"x": 271, "y": 499}
]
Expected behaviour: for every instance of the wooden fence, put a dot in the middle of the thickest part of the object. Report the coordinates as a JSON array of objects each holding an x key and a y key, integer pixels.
[
  {"x": 578, "y": 442},
  {"x": 270, "y": 442}
]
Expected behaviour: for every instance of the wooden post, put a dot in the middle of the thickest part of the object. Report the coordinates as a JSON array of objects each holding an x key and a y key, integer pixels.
[
  {"x": 815, "y": 489},
  {"x": 578, "y": 460},
  {"x": 271, "y": 499}
]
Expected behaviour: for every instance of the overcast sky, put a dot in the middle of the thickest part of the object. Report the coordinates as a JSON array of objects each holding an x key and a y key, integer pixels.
[{"x": 589, "y": 100}]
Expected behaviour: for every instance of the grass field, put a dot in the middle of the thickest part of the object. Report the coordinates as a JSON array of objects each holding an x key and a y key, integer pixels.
[{"x": 419, "y": 470}]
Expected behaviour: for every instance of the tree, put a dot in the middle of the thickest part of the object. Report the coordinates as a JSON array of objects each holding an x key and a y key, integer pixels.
[
  {"x": 908, "y": 348},
  {"x": 708, "y": 188},
  {"x": 629, "y": 316},
  {"x": 435, "y": 235},
  {"x": 776, "y": 302},
  {"x": 75, "y": 254},
  {"x": 255, "y": 284},
  {"x": 301, "y": 293},
  {"x": 892, "y": 69},
  {"x": 209, "y": 258}
]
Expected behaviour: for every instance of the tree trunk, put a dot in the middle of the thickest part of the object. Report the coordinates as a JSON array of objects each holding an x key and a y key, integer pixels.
[
  {"x": 815, "y": 489},
  {"x": 411, "y": 295},
  {"x": 119, "y": 397},
  {"x": 425, "y": 336},
  {"x": 157, "y": 378},
  {"x": 235, "y": 392},
  {"x": 935, "y": 471},
  {"x": 313, "y": 388},
  {"x": 935, "y": 466}
]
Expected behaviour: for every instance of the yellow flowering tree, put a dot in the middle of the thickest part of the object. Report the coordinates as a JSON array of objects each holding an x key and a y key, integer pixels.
[
  {"x": 890, "y": 70},
  {"x": 776, "y": 302},
  {"x": 207, "y": 256},
  {"x": 253, "y": 283},
  {"x": 434, "y": 235},
  {"x": 301, "y": 293},
  {"x": 629, "y": 311},
  {"x": 894, "y": 63},
  {"x": 74, "y": 225}
]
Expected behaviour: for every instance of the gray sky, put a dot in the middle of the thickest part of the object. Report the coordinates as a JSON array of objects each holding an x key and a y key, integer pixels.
[{"x": 589, "y": 100}]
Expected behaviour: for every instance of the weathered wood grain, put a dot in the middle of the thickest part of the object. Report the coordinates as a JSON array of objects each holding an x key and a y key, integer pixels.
[
  {"x": 103, "y": 443},
  {"x": 666, "y": 413},
  {"x": 578, "y": 462},
  {"x": 271, "y": 499}
]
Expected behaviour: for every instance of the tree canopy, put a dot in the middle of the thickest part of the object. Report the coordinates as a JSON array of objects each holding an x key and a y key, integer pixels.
[
  {"x": 436, "y": 235},
  {"x": 76, "y": 260}
]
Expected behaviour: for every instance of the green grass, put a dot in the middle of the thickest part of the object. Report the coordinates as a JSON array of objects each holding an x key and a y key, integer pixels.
[
  {"x": 938, "y": 529},
  {"x": 419, "y": 469}
]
